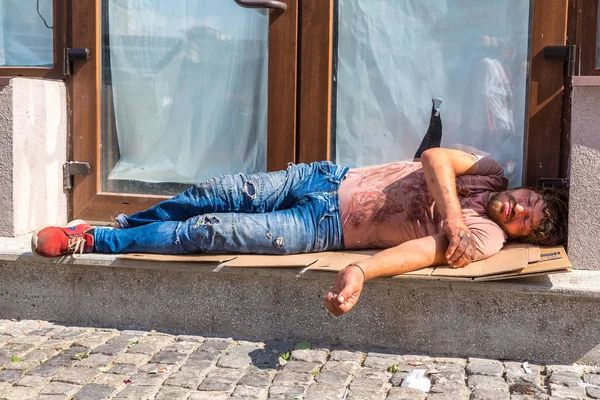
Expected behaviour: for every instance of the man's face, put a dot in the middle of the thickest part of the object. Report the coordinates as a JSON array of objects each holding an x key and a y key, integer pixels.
[{"x": 517, "y": 211}]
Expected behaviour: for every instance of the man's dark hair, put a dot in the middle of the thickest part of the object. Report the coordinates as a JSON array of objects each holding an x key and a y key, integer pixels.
[{"x": 553, "y": 228}]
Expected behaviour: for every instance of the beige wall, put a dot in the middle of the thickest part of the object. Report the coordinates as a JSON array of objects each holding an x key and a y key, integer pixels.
[
  {"x": 584, "y": 196},
  {"x": 33, "y": 143}
]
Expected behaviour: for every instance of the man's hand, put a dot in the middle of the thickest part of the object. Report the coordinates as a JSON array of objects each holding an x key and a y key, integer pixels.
[
  {"x": 462, "y": 249},
  {"x": 346, "y": 290}
]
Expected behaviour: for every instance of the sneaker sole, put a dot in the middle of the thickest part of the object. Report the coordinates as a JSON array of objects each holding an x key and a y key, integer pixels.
[{"x": 34, "y": 237}]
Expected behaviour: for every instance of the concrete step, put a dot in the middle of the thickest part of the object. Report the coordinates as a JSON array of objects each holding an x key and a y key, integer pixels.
[{"x": 544, "y": 319}]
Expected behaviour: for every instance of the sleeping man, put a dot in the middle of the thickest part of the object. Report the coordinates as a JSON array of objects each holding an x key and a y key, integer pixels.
[{"x": 451, "y": 208}]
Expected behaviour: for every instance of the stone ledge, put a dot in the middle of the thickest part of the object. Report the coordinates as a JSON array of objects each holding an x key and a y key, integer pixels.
[
  {"x": 546, "y": 319},
  {"x": 580, "y": 283}
]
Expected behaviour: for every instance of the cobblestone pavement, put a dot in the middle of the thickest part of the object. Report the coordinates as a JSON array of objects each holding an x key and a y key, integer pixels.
[{"x": 46, "y": 361}]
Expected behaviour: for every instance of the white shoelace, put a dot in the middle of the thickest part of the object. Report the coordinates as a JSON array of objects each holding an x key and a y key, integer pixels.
[{"x": 76, "y": 245}]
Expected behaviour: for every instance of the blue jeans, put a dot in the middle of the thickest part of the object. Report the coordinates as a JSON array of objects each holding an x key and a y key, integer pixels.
[{"x": 284, "y": 212}]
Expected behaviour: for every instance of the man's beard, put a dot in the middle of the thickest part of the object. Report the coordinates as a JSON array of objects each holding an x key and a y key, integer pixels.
[{"x": 496, "y": 208}]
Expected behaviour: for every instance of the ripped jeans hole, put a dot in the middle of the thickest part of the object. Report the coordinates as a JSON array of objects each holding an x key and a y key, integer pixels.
[
  {"x": 250, "y": 190},
  {"x": 206, "y": 220},
  {"x": 279, "y": 242}
]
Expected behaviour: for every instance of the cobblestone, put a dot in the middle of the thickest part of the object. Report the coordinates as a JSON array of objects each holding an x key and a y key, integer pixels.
[
  {"x": 565, "y": 378},
  {"x": 78, "y": 376},
  {"x": 404, "y": 393},
  {"x": 18, "y": 393},
  {"x": 567, "y": 392},
  {"x": 479, "y": 366},
  {"x": 60, "y": 388},
  {"x": 250, "y": 392},
  {"x": 32, "y": 381},
  {"x": 94, "y": 391},
  {"x": 79, "y": 363},
  {"x": 319, "y": 391}
]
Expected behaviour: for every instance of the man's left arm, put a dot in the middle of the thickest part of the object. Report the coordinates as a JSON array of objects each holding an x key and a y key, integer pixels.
[{"x": 408, "y": 256}]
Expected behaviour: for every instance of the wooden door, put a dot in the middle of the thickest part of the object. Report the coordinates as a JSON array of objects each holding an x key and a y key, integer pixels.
[
  {"x": 87, "y": 200},
  {"x": 546, "y": 151}
]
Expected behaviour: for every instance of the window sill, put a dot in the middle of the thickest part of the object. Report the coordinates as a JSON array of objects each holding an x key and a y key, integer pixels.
[{"x": 583, "y": 81}]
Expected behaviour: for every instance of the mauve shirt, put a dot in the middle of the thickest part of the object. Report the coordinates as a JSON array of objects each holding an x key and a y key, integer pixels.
[{"x": 383, "y": 206}]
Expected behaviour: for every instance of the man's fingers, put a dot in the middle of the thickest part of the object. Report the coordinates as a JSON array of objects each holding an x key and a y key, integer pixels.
[
  {"x": 467, "y": 246},
  {"x": 463, "y": 261},
  {"x": 452, "y": 248},
  {"x": 457, "y": 240},
  {"x": 330, "y": 304},
  {"x": 459, "y": 251}
]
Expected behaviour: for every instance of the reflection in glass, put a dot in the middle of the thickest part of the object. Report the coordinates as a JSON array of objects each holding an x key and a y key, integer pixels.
[
  {"x": 184, "y": 92},
  {"x": 26, "y": 33},
  {"x": 394, "y": 56}
]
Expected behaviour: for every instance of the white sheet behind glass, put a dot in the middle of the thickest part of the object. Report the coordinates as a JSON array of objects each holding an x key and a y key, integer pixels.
[
  {"x": 25, "y": 40},
  {"x": 394, "y": 56},
  {"x": 189, "y": 82}
]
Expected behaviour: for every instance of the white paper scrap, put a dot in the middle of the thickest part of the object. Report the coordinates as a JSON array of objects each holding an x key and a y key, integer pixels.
[{"x": 416, "y": 380}]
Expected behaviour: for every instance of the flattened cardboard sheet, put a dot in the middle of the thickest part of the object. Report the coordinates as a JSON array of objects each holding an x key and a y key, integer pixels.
[
  {"x": 335, "y": 261},
  {"x": 513, "y": 261},
  {"x": 287, "y": 261},
  {"x": 553, "y": 260},
  {"x": 513, "y": 257}
]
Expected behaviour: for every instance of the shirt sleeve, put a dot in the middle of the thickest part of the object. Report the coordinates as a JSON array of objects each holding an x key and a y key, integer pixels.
[
  {"x": 489, "y": 237},
  {"x": 493, "y": 171}
]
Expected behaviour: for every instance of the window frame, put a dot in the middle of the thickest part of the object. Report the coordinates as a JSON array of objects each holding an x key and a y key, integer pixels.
[
  {"x": 546, "y": 145},
  {"x": 86, "y": 200},
  {"x": 59, "y": 32},
  {"x": 586, "y": 37}
]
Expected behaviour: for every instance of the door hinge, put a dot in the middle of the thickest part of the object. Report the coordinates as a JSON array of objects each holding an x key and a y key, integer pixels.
[
  {"x": 72, "y": 168},
  {"x": 559, "y": 183},
  {"x": 74, "y": 54},
  {"x": 565, "y": 53}
]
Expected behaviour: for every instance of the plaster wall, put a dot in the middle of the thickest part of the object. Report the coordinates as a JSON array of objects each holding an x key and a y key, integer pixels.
[
  {"x": 6, "y": 161},
  {"x": 584, "y": 199},
  {"x": 33, "y": 136}
]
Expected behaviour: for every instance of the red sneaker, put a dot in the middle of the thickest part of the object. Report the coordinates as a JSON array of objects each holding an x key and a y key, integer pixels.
[{"x": 54, "y": 241}]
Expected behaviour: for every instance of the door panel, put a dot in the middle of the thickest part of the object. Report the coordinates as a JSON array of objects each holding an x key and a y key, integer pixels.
[
  {"x": 394, "y": 57},
  {"x": 145, "y": 103},
  {"x": 388, "y": 111},
  {"x": 547, "y": 89},
  {"x": 181, "y": 105}
]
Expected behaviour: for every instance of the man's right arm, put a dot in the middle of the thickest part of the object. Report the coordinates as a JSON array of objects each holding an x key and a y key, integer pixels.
[
  {"x": 408, "y": 256},
  {"x": 441, "y": 167}
]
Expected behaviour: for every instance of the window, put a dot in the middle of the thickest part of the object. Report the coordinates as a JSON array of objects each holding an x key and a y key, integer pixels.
[{"x": 32, "y": 37}]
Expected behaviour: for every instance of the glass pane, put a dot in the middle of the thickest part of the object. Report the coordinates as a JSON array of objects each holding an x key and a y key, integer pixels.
[
  {"x": 184, "y": 93},
  {"x": 395, "y": 56},
  {"x": 26, "y": 33}
]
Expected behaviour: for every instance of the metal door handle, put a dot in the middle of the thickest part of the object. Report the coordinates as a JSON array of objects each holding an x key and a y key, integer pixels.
[{"x": 276, "y": 5}]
